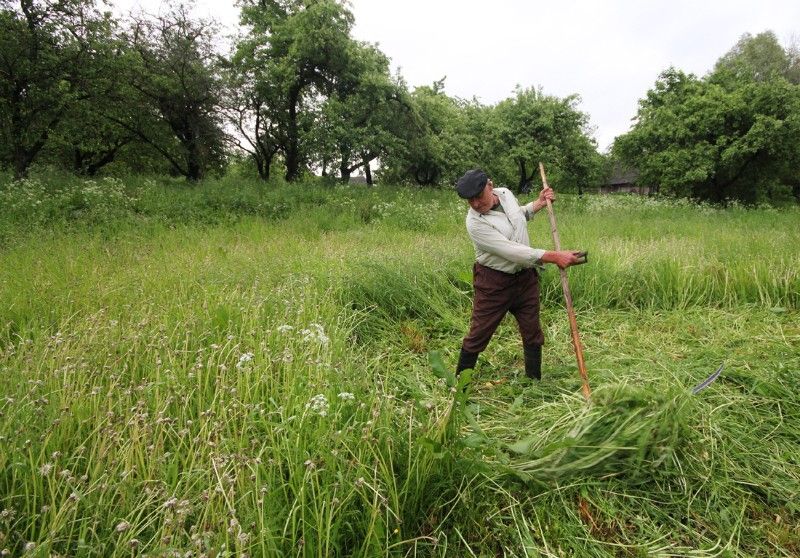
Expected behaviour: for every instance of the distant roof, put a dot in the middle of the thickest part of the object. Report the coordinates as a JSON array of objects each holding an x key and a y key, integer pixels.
[{"x": 623, "y": 176}]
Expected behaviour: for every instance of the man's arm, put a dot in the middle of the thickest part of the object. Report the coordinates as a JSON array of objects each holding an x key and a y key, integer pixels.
[
  {"x": 544, "y": 195},
  {"x": 562, "y": 258},
  {"x": 491, "y": 241}
]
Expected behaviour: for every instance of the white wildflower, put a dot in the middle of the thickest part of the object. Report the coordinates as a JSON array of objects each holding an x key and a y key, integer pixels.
[
  {"x": 122, "y": 526},
  {"x": 318, "y": 404},
  {"x": 346, "y": 396},
  {"x": 244, "y": 360},
  {"x": 285, "y": 328},
  {"x": 46, "y": 469},
  {"x": 315, "y": 333}
]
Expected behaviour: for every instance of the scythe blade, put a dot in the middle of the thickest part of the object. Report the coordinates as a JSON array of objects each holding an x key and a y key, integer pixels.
[{"x": 708, "y": 381}]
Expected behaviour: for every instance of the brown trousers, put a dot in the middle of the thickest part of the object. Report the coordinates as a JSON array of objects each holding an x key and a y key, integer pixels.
[{"x": 497, "y": 293}]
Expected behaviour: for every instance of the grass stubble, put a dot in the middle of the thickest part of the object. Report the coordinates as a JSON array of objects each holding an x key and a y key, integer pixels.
[{"x": 261, "y": 385}]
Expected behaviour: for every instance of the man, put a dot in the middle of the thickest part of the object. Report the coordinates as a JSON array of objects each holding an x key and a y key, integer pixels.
[{"x": 505, "y": 276}]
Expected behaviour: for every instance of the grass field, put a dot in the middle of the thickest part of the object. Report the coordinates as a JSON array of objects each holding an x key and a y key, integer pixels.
[{"x": 233, "y": 369}]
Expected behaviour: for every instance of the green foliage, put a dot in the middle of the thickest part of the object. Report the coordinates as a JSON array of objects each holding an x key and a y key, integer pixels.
[
  {"x": 532, "y": 127},
  {"x": 169, "y": 61},
  {"x": 365, "y": 115},
  {"x": 439, "y": 142},
  {"x": 295, "y": 52},
  {"x": 46, "y": 52},
  {"x": 734, "y": 135},
  {"x": 754, "y": 59}
]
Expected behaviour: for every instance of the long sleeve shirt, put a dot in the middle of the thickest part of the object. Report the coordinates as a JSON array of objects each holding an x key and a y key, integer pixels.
[{"x": 501, "y": 237}]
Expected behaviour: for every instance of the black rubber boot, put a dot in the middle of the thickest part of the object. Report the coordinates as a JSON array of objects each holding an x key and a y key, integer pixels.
[
  {"x": 533, "y": 361},
  {"x": 466, "y": 360}
]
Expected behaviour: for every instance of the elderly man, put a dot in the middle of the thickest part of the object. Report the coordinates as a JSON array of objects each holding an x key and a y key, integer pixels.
[{"x": 505, "y": 276}]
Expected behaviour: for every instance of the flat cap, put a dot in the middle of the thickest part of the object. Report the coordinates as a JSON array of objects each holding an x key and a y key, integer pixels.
[{"x": 472, "y": 183}]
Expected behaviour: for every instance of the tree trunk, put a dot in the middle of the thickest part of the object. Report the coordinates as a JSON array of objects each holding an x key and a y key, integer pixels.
[
  {"x": 368, "y": 172},
  {"x": 344, "y": 172},
  {"x": 22, "y": 161},
  {"x": 292, "y": 149},
  {"x": 523, "y": 175},
  {"x": 89, "y": 163},
  {"x": 193, "y": 164},
  {"x": 261, "y": 166},
  {"x": 524, "y": 185}
]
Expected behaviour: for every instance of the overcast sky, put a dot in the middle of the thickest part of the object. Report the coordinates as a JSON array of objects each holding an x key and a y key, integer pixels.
[{"x": 609, "y": 52}]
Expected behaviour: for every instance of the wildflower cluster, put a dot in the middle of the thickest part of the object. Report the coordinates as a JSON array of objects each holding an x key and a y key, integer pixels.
[
  {"x": 319, "y": 404},
  {"x": 94, "y": 201},
  {"x": 244, "y": 360},
  {"x": 315, "y": 333}
]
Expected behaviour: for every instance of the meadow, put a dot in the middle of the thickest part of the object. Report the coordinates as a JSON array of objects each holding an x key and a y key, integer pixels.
[{"x": 239, "y": 369}]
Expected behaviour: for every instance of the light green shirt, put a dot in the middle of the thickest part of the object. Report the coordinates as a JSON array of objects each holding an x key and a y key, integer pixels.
[{"x": 501, "y": 237}]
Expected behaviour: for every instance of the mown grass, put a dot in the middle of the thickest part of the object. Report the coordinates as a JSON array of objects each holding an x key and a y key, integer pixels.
[{"x": 233, "y": 369}]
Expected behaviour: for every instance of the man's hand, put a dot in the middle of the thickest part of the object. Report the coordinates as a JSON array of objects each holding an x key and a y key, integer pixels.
[
  {"x": 544, "y": 195},
  {"x": 563, "y": 258}
]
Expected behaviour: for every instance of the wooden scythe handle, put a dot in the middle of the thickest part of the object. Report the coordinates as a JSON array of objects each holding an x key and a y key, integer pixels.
[{"x": 573, "y": 324}]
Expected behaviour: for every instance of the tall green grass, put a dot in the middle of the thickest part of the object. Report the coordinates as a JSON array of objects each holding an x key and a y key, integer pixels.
[{"x": 243, "y": 369}]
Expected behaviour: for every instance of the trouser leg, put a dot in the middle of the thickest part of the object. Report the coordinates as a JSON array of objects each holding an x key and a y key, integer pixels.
[
  {"x": 489, "y": 304},
  {"x": 526, "y": 312}
]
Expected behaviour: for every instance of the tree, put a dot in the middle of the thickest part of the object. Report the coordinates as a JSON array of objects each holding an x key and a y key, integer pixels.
[
  {"x": 45, "y": 48},
  {"x": 532, "y": 127},
  {"x": 438, "y": 146},
  {"x": 170, "y": 65},
  {"x": 363, "y": 117},
  {"x": 696, "y": 138},
  {"x": 302, "y": 46},
  {"x": 248, "y": 105},
  {"x": 87, "y": 138},
  {"x": 756, "y": 59}
]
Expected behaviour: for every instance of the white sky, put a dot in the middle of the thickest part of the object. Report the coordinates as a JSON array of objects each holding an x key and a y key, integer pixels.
[{"x": 610, "y": 52}]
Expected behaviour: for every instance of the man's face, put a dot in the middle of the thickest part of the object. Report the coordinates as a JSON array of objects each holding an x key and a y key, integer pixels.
[{"x": 484, "y": 201}]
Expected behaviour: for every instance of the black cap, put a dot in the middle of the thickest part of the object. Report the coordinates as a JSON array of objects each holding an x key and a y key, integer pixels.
[{"x": 472, "y": 183}]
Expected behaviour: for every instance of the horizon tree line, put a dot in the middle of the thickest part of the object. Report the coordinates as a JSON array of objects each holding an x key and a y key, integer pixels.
[{"x": 83, "y": 91}]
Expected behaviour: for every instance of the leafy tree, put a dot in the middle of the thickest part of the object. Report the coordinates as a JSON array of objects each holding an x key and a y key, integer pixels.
[
  {"x": 87, "y": 138},
  {"x": 302, "y": 46},
  {"x": 364, "y": 116},
  {"x": 696, "y": 138},
  {"x": 170, "y": 64},
  {"x": 45, "y": 48},
  {"x": 756, "y": 59},
  {"x": 248, "y": 105},
  {"x": 438, "y": 145},
  {"x": 532, "y": 127}
]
